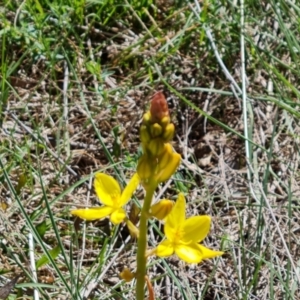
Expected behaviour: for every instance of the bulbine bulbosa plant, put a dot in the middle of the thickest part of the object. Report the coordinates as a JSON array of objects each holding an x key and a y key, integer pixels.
[{"x": 156, "y": 165}]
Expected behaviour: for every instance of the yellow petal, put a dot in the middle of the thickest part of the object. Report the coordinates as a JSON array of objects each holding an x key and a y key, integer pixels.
[
  {"x": 190, "y": 253},
  {"x": 118, "y": 216},
  {"x": 129, "y": 189},
  {"x": 208, "y": 253},
  {"x": 164, "y": 249},
  {"x": 196, "y": 228},
  {"x": 176, "y": 218},
  {"x": 93, "y": 213},
  {"x": 107, "y": 189}
]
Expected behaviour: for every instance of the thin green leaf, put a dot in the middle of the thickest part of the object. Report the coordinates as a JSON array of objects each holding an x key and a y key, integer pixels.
[{"x": 44, "y": 259}]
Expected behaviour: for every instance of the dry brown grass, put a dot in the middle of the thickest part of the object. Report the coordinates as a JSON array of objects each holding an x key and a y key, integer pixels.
[{"x": 59, "y": 127}]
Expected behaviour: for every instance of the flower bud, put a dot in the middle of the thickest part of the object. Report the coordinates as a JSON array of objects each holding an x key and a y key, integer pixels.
[
  {"x": 167, "y": 171},
  {"x": 165, "y": 157},
  {"x": 145, "y": 167},
  {"x": 146, "y": 118},
  {"x": 156, "y": 130},
  {"x": 165, "y": 121},
  {"x": 161, "y": 209},
  {"x": 134, "y": 213},
  {"x": 156, "y": 147},
  {"x": 159, "y": 107},
  {"x": 133, "y": 230},
  {"x": 169, "y": 132},
  {"x": 127, "y": 275},
  {"x": 144, "y": 134}
]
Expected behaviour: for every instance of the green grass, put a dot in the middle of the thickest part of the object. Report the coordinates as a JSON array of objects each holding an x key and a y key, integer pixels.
[{"x": 75, "y": 80}]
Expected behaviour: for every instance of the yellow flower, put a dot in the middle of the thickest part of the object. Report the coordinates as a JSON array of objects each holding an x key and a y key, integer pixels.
[
  {"x": 183, "y": 235},
  {"x": 109, "y": 193}
]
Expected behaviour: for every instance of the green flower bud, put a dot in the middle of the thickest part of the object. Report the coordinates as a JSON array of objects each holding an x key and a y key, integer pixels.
[
  {"x": 165, "y": 121},
  {"x": 156, "y": 147},
  {"x": 147, "y": 118},
  {"x": 155, "y": 130},
  {"x": 163, "y": 160},
  {"x": 145, "y": 167},
  {"x": 144, "y": 134}
]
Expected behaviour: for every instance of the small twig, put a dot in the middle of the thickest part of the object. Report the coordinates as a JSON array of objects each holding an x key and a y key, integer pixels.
[
  {"x": 65, "y": 109},
  {"x": 84, "y": 225},
  {"x": 18, "y": 12},
  {"x": 206, "y": 104},
  {"x": 162, "y": 190},
  {"x": 65, "y": 104},
  {"x": 244, "y": 92},
  {"x": 92, "y": 58},
  {"x": 32, "y": 263}
]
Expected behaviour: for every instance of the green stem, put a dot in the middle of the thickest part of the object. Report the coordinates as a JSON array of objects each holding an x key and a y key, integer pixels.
[{"x": 142, "y": 242}]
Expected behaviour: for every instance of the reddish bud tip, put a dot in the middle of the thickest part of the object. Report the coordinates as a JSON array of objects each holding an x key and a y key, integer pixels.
[{"x": 159, "y": 107}]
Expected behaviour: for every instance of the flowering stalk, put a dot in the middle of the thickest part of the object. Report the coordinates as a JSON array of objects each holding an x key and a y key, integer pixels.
[
  {"x": 142, "y": 242},
  {"x": 157, "y": 164}
]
